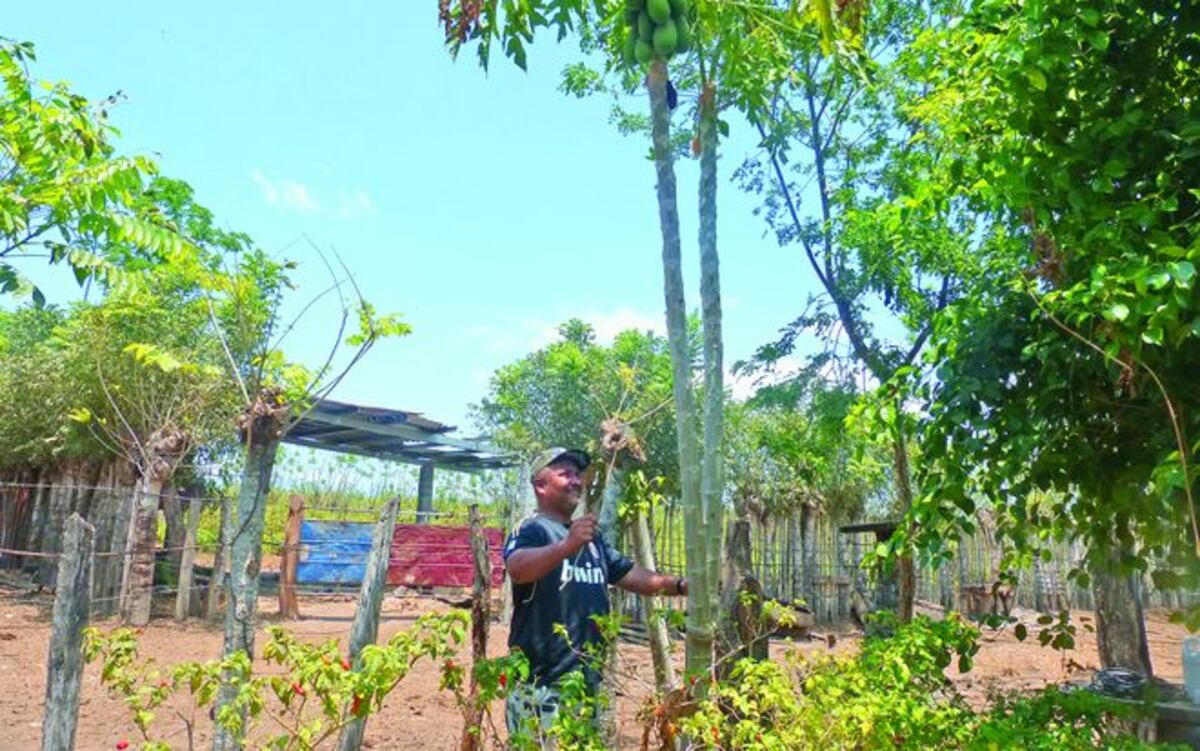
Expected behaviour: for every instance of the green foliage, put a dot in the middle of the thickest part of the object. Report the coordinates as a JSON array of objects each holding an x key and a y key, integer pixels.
[
  {"x": 1071, "y": 364},
  {"x": 559, "y": 395},
  {"x": 894, "y": 694},
  {"x": 65, "y": 192},
  {"x": 310, "y": 692},
  {"x": 789, "y": 447}
]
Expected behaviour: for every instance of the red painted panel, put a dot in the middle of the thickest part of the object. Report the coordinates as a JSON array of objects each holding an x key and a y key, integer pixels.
[{"x": 424, "y": 555}]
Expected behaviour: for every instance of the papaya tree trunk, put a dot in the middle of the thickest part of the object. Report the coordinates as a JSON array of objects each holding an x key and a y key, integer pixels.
[
  {"x": 712, "y": 480},
  {"x": 262, "y": 430},
  {"x": 699, "y": 640}
]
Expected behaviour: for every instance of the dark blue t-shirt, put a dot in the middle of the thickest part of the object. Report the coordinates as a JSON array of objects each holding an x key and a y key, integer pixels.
[{"x": 570, "y": 594}]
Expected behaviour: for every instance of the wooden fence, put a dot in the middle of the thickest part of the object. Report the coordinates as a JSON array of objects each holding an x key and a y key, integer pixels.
[{"x": 778, "y": 561}]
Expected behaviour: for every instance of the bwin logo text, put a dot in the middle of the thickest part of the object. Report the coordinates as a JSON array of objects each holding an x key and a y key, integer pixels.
[{"x": 582, "y": 574}]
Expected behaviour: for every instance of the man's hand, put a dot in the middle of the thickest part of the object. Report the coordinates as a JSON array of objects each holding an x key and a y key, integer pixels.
[
  {"x": 531, "y": 564},
  {"x": 580, "y": 533}
]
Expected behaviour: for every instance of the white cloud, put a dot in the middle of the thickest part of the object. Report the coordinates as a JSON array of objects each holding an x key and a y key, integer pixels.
[
  {"x": 354, "y": 204},
  {"x": 608, "y": 325},
  {"x": 522, "y": 337},
  {"x": 289, "y": 195}
]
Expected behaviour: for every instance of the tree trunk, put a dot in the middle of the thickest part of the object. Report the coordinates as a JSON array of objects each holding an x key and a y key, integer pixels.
[
  {"x": 712, "y": 474},
  {"x": 699, "y": 641},
  {"x": 262, "y": 433},
  {"x": 1120, "y": 628},
  {"x": 742, "y": 632},
  {"x": 906, "y": 574},
  {"x": 137, "y": 580},
  {"x": 187, "y": 562},
  {"x": 172, "y": 507},
  {"x": 656, "y": 625}
]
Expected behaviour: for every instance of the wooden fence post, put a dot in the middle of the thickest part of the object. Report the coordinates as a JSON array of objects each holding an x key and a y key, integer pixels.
[
  {"x": 366, "y": 616},
  {"x": 481, "y": 607},
  {"x": 289, "y": 603},
  {"x": 64, "y": 668},
  {"x": 187, "y": 562},
  {"x": 216, "y": 580}
]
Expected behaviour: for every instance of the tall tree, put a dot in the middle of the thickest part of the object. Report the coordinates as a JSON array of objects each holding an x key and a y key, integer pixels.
[
  {"x": 705, "y": 43},
  {"x": 834, "y": 154},
  {"x": 1074, "y": 129}
]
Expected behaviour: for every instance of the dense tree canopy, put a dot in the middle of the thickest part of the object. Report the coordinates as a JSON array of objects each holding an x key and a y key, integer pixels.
[{"x": 1072, "y": 363}]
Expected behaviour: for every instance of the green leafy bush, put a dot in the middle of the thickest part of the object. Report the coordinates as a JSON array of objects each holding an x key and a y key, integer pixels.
[{"x": 895, "y": 694}]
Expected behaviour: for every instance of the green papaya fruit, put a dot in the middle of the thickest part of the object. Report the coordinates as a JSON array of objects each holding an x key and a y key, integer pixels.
[
  {"x": 645, "y": 28},
  {"x": 631, "y": 49},
  {"x": 684, "y": 31},
  {"x": 659, "y": 10},
  {"x": 666, "y": 38},
  {"x": 644, "y": 52}
]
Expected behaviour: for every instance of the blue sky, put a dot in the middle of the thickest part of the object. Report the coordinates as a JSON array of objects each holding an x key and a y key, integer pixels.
[{"x": 486, "y": 208}]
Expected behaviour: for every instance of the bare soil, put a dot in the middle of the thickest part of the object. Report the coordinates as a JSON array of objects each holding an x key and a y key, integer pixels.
[{"x": 418, "y": 715}]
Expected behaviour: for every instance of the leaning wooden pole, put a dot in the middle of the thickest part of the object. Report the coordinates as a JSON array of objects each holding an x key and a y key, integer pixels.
[
  {"x": 289, "y": 601},
  {"x": 481, "y": 613},
  {"x": 366, "y": 616},
  {"x": 64, "y": 669},
  {"x": 656, "y": 624}
]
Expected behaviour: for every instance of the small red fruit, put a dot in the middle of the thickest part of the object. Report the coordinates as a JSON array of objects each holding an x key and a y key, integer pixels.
[
  {"x": 345, "y": 664},
  {"x": 122, "y": 744},
  {"x": 355, "y": 703},
  {"x": 504, "y": 680},
  {"x": 298, "y": 689}
]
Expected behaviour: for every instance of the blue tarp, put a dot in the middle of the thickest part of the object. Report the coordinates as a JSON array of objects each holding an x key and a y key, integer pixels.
[{"x": 333, "y": 552}]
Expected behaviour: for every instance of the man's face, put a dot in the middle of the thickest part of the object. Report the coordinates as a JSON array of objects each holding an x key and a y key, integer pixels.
[{"x": 558, "y": 487}]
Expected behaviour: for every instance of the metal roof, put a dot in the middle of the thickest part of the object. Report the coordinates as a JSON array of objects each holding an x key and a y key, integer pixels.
[{"x": 391, "y": 434}]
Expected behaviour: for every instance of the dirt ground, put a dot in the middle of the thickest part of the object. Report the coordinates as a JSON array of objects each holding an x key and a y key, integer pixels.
[{"x": 418, "y": 715}]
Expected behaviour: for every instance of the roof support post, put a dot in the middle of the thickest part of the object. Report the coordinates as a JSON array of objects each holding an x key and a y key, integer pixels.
[{"x": 425, "y": 494}]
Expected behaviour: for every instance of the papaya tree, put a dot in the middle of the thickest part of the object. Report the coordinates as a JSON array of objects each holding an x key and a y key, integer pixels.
[
  {"x": 1072, "y": 368},
  {"x": 642, "y": 41}
]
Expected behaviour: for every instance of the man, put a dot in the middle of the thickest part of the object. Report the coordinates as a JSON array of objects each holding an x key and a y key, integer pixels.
[{"x": 560, "y": 571}]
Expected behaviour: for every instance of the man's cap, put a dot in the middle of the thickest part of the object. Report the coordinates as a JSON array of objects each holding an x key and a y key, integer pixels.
[{"x": 551, "y": 455}]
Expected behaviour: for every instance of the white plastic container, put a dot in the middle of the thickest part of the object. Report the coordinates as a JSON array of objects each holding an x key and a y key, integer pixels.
[{"x": 1191, "y": 667}]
